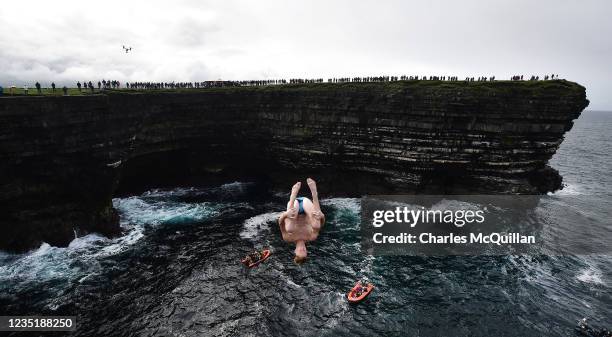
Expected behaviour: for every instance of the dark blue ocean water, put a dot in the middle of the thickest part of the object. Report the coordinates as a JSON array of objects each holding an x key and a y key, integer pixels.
[{"x": 175, "y": 271}]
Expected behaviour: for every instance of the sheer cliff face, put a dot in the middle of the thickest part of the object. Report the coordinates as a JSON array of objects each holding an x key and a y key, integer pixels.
[{"x": 63, "y": 158}]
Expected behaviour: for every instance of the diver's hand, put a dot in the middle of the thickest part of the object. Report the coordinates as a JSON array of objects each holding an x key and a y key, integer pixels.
[{"x": 317, "y": 215}]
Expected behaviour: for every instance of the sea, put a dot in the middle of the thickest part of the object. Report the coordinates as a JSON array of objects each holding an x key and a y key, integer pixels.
[{"x": 175, "y": 270}]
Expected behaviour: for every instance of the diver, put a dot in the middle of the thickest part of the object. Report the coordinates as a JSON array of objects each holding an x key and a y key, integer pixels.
[{"x": 303, "y": 220}]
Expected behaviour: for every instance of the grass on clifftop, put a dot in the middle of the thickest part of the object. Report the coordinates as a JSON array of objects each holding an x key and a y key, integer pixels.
[
  {"x": 505, "y": 86},
  {"x": 47, "y": 92}
]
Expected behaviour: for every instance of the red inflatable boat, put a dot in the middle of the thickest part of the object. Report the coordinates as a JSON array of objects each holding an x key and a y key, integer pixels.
[
  {"x": 359, "y": 292},
  {"x": 264, "y": 255}
]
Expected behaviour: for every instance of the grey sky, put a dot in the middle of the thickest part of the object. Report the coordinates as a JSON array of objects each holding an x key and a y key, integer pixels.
[{"x": 66, "y": 41}]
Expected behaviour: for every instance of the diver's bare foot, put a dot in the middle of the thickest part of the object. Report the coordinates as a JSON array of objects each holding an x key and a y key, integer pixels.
[
  {"x": 295, "y": 189},
  {"x": 313, "y": 186}
]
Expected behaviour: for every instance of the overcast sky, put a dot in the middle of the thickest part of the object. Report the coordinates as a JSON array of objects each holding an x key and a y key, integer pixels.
[{"x": 69, "y": 41}]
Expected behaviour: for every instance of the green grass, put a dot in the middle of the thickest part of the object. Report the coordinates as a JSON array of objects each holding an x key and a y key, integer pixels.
[
  {"x": 47, "y": 92},
  {"x": 547, "y": 87}
]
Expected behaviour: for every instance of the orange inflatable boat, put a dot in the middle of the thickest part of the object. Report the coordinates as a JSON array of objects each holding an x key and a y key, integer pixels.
[
  {"x": 264, "y": 255},
  {"x": 359, "y": 292}
]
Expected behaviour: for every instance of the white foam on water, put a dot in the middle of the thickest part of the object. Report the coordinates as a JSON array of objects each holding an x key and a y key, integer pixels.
[
  {"x": 231, "y": 188},
  {"x": 57, "y": 263},
  {"x": 569, "y": 189},
  {"x": 591, "y": 274},
  {"x": 136, "y": 210},
  {"x": 123, "y": 243},
  {"x": 235, "y": 186},
  {"x": 80, "y": 259},
  {"x": 291, "y": 283},
  {"x": 46, "y": 262},
  {"x": 151, "y": 209},
  {"x": 449, "y": 204},
  {"x": 351, "y": 204},
  {"x": 179, "y": 191},
  {"x": 366, "y": 267},
  {"x": 347, "y": 213},
  {"x": 254, "y": 227}
]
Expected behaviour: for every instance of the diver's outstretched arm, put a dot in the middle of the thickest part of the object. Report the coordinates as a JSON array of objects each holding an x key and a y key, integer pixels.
[
  {"x": 281, "y": 224},
  {"x": 281, "y": 219}
]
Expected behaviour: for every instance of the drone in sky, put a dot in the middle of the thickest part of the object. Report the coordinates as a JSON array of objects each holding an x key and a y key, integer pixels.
[{"x": 127, "y": 49}]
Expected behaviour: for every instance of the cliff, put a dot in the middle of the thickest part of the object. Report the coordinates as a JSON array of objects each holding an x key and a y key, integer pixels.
[{"x": 63, "y": 158}]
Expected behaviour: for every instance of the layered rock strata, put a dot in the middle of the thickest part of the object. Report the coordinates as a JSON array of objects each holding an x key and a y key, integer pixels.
[{"x": 62, "y": 159}]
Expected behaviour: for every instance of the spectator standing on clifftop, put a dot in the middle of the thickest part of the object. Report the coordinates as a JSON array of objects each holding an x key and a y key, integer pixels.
[
  {"x": 79, "y": 86},
  {"x": 53, "y": 86},
  {"x": 65, "y": 90},
  {"x": 38, "y": 88}
]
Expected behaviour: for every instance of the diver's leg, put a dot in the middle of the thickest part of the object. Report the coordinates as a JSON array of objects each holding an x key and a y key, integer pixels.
[
  {"x": 294, "y": 191},
  {"x": 315, "y": 195},
  {"x": 317, "y": 214},
  {"x": 291, "y": 209}
]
